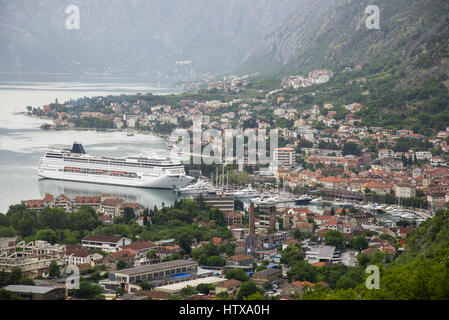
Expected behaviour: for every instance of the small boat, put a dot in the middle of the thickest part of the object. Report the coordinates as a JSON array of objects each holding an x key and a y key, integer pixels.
[{"x": 317, "y": 201}]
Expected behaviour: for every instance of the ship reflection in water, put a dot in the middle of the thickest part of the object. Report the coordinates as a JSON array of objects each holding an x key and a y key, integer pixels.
[{"x": 147, "y": 197}]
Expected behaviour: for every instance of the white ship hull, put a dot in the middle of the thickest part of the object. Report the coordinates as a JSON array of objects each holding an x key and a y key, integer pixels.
[
  {"x": 73, "y": 164},
  {"x": 160, "y": 182}
]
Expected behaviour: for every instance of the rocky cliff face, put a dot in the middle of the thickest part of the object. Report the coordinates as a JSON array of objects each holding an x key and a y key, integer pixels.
[
  {"x": 128, "y": 37},
  {"x": 333, "y": 34}
]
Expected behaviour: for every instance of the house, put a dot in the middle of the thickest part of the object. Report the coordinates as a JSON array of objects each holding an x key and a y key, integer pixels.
[
  {"x": 106, "y": 220},
  {"x": 404, "y": 190},
  {"x": 404, "y": 231},
  {"x": 77, "y": 254},
  {"x": 288, "y": 243},
  {"x": 298, "y": 288},
  {"x": 359, "y": 218},
  {"x": 272, "y": 275},
  {"x": 137, "y": 208},
  {"x": 128, "y": 256},
  {"x": 377, "y": 188},
  {"x": 94, "y": 202},
  {"x": 112, "y": 207},
  {"x": 240, "y": 261},
  {"x": 27, "y": 292},
  {"x": 304, "y": 227},
  {"x": 437, "y": 161},
  {"x": 229, "y": 286},
  {"x": 141, "y": 246},
  {"x": 105, "y": 243},
  {"x": 62, "y": 201},
  {"x": 326, "y": 254},
  {"x": 233, "y": 218},
  {"x": 154, "y": 295},
  {"x": 423, "y": 155},
  {"x": 217, "y": 241},
  {"x": 385, "y": 153}
]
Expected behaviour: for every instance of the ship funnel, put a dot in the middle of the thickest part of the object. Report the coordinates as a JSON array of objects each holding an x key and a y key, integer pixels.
[{"x": 78, "y": 148}]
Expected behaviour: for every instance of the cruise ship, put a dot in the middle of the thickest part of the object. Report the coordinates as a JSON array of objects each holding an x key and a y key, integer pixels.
[{"x": 62, "y": 162}]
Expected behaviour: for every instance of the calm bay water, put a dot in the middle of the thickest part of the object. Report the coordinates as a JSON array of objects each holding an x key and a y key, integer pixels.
[{"x": 22, "y": 142}]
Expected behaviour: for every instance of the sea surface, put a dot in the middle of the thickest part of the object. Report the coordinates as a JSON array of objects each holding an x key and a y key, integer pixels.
[{"x": 22, "y": 142}]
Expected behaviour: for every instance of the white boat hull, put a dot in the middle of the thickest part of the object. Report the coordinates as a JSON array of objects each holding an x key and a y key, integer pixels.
[{"x": 159, "y": 182}]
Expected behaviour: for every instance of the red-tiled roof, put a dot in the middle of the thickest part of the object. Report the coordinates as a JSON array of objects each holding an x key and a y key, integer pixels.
[
  {"x": 240, "y": 257},
  {"x": 228, "y": 283},
  {"x": 302, "y": 284}
]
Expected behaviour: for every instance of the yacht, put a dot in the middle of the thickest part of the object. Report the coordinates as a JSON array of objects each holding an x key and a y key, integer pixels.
[
  {"x": 246, "y": 193},
  {"x": 305, "y": 199},
  {"x": 200, "y": 187}
]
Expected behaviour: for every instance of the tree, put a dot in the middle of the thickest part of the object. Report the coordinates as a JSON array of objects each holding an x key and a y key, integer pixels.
[
  {"x": 358, "y": 243},
  {"x": 53, "y": 218},
  {"x": 128, "y": 215},
  {"x": 47, "y": 235},
  {"x": 256, "y": 296},
  {"x": 215, "y": 261},
  {"x": 335, "y": 238},
  {"x": 247, "y": 288},
  {"x": 238, "y": 205},
  {"x": 291, "y": 254},
  {"x": 146, "y": 286},
  {"x": 87, "y": 290},
  {"x": 22, "y": 220},
  {"x": 151, "y": 254},
  {"x": 204, "y": 288},
  {"x": 363, "y": 259},
  {"x": 15, "y": 276},
  {"x": 188, "y": 291},
  {"x": 8, "y": 295},
  {"x": 350, "y": 148},
  {"x": 267, "y": 286},
  {"x": 54, "y": 270},
  {"x": 237, "y": 274},
  {"x": 84, "y": 219},
  {"x": 185, "y": 241},
  {"x": 120, "y": 291},
  {"x": 302, "y": 271},
  {"x": 122, "y": 265}
]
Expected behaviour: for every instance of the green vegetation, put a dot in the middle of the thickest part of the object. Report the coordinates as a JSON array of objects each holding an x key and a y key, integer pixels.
[
  {"x": 247, "y": 289},
  {"x": 14, "y": 277},
  {"x": 237, "y": 274},
  {"x": 420, "y": 273},
  {"x": 87, "y": 290},
  {"x": 51, "y": 224},
  {"x": 97, "y": 123}
]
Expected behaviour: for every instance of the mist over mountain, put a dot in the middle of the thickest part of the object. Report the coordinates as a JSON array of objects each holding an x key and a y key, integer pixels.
[{"x": 135, "y": 37}]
